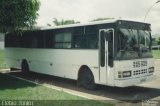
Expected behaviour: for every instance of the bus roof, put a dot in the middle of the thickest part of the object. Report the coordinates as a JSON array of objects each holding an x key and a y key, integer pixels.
[
  {"x": 85, "y": 24},
  {"x": 81, "y": 24}
]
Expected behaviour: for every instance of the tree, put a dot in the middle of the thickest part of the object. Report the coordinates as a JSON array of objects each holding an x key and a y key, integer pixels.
[
  {"x": 18, "y": 14},
  {"x": 100, "y": 19},
  {"x": 158, "y": 40},
  {"x": 64, "y": 22}
]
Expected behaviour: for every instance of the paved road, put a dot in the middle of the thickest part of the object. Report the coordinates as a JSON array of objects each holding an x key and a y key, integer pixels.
[{"x": 147, "y": 91}]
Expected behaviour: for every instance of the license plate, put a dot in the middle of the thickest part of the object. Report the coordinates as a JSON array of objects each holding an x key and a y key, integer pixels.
[{"x": 143, "y": 80}]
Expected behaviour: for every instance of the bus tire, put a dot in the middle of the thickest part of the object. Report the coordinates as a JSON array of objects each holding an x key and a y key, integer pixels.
[
  {"x": 24, "y": 66},
  {"x": 86, "y": 79}
]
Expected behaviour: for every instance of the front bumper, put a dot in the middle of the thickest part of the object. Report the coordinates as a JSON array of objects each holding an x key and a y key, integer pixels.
[{"x": 135, "y": 81}]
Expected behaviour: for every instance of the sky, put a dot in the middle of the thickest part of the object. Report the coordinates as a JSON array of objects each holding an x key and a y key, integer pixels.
[{"x": 87, "y": 10}]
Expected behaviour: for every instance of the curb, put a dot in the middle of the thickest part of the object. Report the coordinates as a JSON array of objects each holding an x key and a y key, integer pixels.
[{"x": 5, "y": 69}]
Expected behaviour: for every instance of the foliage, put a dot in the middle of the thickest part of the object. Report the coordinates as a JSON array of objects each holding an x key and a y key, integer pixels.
[
  {"x": 101, "y": 19},
  {"x": 158, "y": 40},
  {"x": 63, "y": 22},
  {"x": 18, "y": 14}
]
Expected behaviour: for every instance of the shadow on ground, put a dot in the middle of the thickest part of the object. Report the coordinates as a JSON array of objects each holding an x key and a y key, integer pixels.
[{"x": 8, "y": 82}]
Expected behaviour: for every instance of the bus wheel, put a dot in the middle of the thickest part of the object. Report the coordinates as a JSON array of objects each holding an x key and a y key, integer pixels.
[
  {"x": 86, "y": 79},
  {"x": 24, "y": 66}
]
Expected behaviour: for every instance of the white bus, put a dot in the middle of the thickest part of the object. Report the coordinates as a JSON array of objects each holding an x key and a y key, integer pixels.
[{"x": 112, "y": 52}]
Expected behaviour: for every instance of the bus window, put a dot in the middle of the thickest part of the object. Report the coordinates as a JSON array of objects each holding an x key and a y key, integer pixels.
[
  {"x": 110, "y": 47},
  {"x": 63, "y": 40},
  {"x": 35, "y": 40},
  {"x": 67, "y": 38},
  {"x": 102, "y": 48},
  {"x": 12, "y": 40},
  {"x": 92, "y": 41},
  {"x": 79, "y": 41},
  {"x": 49, "y": 39},
  {"x": 78, "y": 31},
  {"x": 91, "y": 29}
]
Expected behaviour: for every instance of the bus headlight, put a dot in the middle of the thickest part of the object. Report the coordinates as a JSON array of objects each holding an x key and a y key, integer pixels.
[
  {"x": 126, "y": 74},
  {"x": 151, "y": 70}
]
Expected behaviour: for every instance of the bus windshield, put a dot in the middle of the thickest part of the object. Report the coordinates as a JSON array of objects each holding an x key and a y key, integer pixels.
[{"x": 133, "y": 44}]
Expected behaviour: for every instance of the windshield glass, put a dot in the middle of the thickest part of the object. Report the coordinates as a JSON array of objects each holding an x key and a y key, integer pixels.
[
  {"x": 133, "y": 44},
  {"x": 145, "y": 43}
]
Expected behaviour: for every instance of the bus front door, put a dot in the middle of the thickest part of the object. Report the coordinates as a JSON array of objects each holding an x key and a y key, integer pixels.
[{"x": 106, "y": 44}]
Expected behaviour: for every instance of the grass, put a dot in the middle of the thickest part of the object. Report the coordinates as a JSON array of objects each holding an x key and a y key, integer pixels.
[
  {"x": 2, "y": 60},
  {"x": 156, "y": 54},
  {"x": 15, "y": 89}
]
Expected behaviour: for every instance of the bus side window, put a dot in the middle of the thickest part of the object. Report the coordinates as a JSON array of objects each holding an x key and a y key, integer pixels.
[
  {"x": 63, "y": 40},
  {"x": 92, "y": 41},
  {"x": 67, "y": 38},
  {"x": 49, "y": 39},
  {"x": 79, "y": 41},
  {"x": 58, "y": 40},
  {"x": 34, "y": 43},
  {"x": 12, "y": 40}
]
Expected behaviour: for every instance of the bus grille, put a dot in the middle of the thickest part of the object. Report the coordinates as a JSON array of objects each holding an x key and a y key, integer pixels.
[
  {"x": 139, "y": 64},
  {"x": 140, "y": 72}
]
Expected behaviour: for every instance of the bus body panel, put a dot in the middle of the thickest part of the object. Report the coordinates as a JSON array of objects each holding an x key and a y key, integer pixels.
[
  {"x": 58, "y": 62},
  {"x": 135, "y": 81}
]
